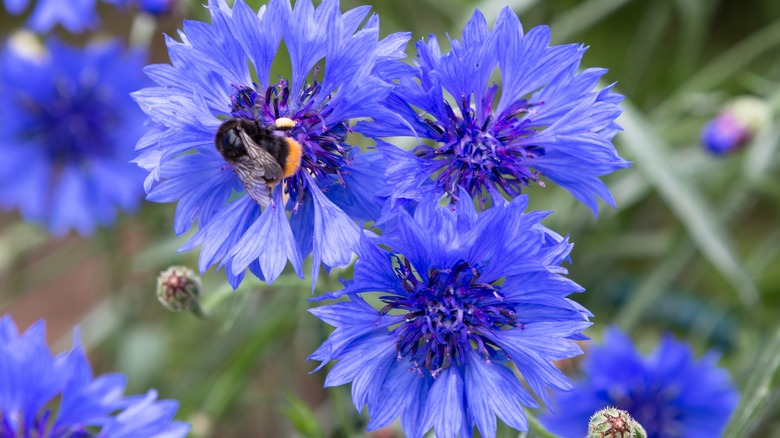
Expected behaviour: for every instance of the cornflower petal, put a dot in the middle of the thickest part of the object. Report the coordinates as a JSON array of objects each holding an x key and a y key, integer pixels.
[
  {"x": 75, "y": 16},
  {"x": 271, "y": 229},
  {"x": 15, "y": 7}
]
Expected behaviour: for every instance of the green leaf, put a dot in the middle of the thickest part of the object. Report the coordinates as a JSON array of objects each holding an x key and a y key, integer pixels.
[
  {"x": 583, "y": 16},
  {"x": 302, "y": 417},
  {"x": 760, "y": 387}
]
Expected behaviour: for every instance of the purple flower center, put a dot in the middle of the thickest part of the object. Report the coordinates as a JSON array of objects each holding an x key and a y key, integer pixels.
[
  {"x": 447, "y": 314},
  {"x": 480, "y": 152},
  {"x": 325, "y": 154},
  {"x": 73, "y": 126}
]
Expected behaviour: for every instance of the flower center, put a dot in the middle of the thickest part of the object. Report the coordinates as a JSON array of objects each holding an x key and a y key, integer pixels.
[
  {"x": 444, "y": 316},
  {"x": 483, "y": 153},
  {"x": 75, "y": 125},
  {"x": 653, "y": 408},
  {"x": 325, "y": 153}
]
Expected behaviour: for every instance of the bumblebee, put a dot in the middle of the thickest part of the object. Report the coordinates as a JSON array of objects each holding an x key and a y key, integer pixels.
[{"x": 259, "y": 155}]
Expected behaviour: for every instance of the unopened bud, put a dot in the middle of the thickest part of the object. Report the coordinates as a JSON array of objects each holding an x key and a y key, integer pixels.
[
  {"x": 178, "y": 289},
  {"x": 735, "y": 126},
  {"x": 614, "y": 423}
]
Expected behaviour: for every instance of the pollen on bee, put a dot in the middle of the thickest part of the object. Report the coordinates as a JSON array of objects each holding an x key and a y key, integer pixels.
[{"x": 284, "y": 123}]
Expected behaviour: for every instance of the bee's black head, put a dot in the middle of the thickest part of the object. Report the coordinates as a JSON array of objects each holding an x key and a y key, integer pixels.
[{"x": 228, "y": 140}]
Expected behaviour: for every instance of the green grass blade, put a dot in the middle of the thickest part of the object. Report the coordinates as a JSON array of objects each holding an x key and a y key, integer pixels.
[
  {"x": 728, "y": 64},
  {"x": 759, "y": 388},
  {"x": 650, "y": 152},
  {"x": 583, "y": 16}
]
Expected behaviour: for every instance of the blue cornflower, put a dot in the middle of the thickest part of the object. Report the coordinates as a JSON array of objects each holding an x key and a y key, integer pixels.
[
  {"x": 545, "y": 119},
  {"x": 670, "y": 393},
  {"x": 50, "y": 396},
  {"x": 222, "y": 71},
  {"x": 463, "y": 296},
  {"x": 67, "y": 133}
]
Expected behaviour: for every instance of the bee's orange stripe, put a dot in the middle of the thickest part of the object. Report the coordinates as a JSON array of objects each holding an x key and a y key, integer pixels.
[{"x": 293, "y": 157}]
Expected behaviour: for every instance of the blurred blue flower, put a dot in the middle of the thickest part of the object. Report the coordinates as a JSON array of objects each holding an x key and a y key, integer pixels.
[
  {"x": 68, "y": 132},
  {"x": 223, "y": 70},
  {"x": 464, "y": 296},
  {"x": 57, "y": 396},
  {"x": 724, "y": 134},
  {"x": 735, "y": 126},
  {"x": 670, "y": 393},
  {"x": 154, "y": 7},
  {"x": 545, "y": 119},
  {"x": 74, "y": 15}
]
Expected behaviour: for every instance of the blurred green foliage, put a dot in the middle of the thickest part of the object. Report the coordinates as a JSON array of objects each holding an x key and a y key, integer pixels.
[{"x": 693, "y": 247}]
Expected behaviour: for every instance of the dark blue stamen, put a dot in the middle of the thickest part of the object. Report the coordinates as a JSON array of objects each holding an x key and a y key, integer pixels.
[
  {"x": 482, "y": 156},
  {"x": 445, "y": 315},
  {"x": 653, "y": 407},
  {"x": 75, "y": 125}
]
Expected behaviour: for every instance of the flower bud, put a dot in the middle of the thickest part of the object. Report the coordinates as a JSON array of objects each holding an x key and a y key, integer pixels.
[
  {"x": 735, "y": 126},
  {"x": 614, "y": 423},
  {"x": 178, "y": 289}
]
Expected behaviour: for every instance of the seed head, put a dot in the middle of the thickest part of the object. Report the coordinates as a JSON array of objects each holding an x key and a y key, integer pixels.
[
  {"x": 614, "y": 423},
  {"x": 178, "y": 289}
]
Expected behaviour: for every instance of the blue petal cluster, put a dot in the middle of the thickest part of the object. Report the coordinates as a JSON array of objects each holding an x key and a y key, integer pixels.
[
  {"x": 154, "y": 7},
  {"x": 463, "y": 296},
  {"x": 670, "y": 393},
  {"x": 51, "y": 396},
  {"x": 223, "y": 70},
  {"x": 74, "y": 15},
  {"x": 67, "y": 133},
  {"x": 546, "y": 119}
]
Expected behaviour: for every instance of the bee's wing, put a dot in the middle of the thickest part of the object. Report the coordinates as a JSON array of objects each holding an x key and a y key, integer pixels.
[{"x": 257, "y": 170}]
